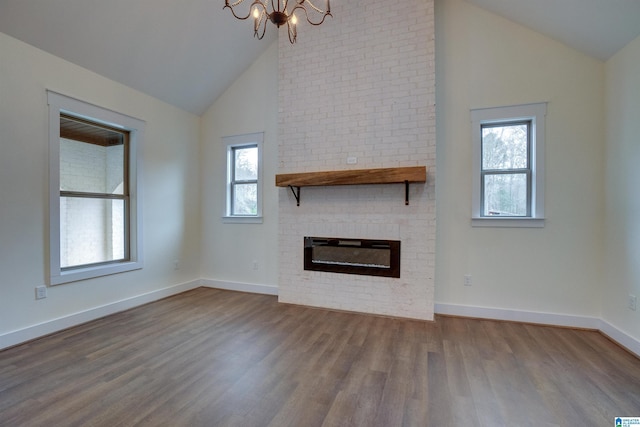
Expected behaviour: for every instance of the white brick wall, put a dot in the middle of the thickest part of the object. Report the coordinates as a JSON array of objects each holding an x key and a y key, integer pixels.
[{"x": 360, "y": 85}]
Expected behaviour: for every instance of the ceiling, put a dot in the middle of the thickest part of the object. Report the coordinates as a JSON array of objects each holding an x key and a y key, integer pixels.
[
  {"x": 598, "y": 28},
  {"x": 183, "y": 52},
  {"x": 188, "y": 52}
]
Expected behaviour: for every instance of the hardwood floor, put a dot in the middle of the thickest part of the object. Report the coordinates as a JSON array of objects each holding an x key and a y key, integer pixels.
[{"x": 217, "y": 358}]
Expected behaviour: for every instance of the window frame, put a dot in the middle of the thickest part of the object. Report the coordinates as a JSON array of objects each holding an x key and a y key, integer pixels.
[
  {"x": 233, "y": 143},
  {"x": 65, "y": 105},
  {"x": 535, "y": 115}
]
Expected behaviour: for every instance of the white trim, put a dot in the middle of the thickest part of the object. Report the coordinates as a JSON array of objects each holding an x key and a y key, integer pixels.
[
  {"x": 253, "y": 288},
  {"x": 508, "y": 222},
  {"x": 136, "y": 127},
  {"x": 19, "y": 336},
  {"x": 543, "y": 318},
  {"x": 518, "y": 315},
  {"x": 242, "y": 219},
  {"x": 620, "y": 337}
]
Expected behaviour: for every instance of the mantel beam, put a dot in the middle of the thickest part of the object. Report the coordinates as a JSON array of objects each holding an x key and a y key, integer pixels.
[{"x": 354, "y": 177}]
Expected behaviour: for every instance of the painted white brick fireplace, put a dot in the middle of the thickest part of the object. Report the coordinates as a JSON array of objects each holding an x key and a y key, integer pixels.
[{"x": 362, "y": 85}]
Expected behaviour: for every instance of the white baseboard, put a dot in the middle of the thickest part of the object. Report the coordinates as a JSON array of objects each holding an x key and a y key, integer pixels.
[
  {"x": 518, "y": 316},
  {"x": 553, "y": 319},
  {"x": 240, "y": 287},
  {"x": 35, "y": 331},
  {"x": 620, "y": 337}
]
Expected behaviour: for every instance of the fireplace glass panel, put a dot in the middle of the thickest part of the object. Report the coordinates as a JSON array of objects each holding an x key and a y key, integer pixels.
[{"x": 353, "y": 256}]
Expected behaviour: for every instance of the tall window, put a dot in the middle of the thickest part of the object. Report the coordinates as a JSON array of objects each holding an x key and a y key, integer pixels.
[
  {"x": 506, "y": 169},
  {"x": 94, "y": 193},
  {"x": 508, "y": 180},
  {"x": 94, "y": 213},
  {"x": 244, "y": 186}
]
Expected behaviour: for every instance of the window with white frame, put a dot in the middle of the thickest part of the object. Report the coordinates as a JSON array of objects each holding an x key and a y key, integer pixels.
[
  {"x": 94, "y": 215},
  {"x": 508, "y": 166},
  {"x": 244, "y": 178}
]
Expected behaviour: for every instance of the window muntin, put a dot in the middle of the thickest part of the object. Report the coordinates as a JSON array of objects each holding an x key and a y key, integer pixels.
[
  {"x": 244, "y": 178},
  {"x": 508, "y": 166},
  {"x": 506, "y": 169},
  {"x": 95, "y": 218}
]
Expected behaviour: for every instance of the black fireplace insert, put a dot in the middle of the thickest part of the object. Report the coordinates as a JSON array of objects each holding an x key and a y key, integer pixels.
[{"x": 352, "y": 256}]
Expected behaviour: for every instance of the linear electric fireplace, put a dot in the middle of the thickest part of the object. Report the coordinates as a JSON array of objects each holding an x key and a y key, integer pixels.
[{"x": 352, "y": 256}]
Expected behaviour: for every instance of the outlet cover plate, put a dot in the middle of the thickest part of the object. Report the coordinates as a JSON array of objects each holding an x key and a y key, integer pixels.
[{"x": 41, "y": 292}]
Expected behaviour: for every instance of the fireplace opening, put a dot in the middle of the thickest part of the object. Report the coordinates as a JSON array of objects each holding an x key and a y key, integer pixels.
[{"x": 352, "y": 256}]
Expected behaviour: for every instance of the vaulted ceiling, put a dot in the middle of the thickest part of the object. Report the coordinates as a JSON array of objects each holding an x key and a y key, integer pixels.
[
  {"x": 183, "y": 52},
  {"x": 598, "y": 28},
  {"x": 188, "y": 52}
]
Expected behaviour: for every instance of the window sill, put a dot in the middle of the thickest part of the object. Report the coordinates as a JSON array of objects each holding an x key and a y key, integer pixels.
[
  {"x": 508, "y": 222},
  {"x": 242, "y": 219},
  {"x": 93, "y": 272}
]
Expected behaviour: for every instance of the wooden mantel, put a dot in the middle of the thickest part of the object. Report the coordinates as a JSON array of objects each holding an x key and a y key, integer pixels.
[{"x": 398, "y": 175}]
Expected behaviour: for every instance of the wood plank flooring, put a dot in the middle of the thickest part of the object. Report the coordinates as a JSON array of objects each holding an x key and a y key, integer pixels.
[{"x": 218, "y": 358}]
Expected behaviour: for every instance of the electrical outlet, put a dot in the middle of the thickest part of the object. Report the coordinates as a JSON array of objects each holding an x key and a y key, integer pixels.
[
  {"x": 633, "y": 302},
  {"x": 467, "y": 280},
  {"x": 176, "y": 264},
  {"x": 41, "y": 292},
  {"x": 255, "y": 265},
  {"x": 352, "y": 160}
]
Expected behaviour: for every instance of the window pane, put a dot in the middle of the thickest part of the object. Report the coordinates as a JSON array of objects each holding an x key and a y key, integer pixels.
[
  {"x": 505, "y": 146},
  {"x": 505, "y": 195},
  {"x": 246, "y": 163},
  {"x": 245, "y": 199},
  {"x": 91, "y": 231},
  {"x": 91, "y": 168}
]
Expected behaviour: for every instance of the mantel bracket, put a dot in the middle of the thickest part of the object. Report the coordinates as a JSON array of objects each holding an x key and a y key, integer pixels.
[
  {"x": 406, "y": 193},
  {"x": 296, "y": 193}
]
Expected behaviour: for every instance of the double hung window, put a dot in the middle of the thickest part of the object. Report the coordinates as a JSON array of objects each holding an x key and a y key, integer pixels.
[
  {"x": 94, "y": 211},
  {"x": 244, "y": 184},
  {"x": 508, "y": 184},
  {"x": 506, "y": 169}
]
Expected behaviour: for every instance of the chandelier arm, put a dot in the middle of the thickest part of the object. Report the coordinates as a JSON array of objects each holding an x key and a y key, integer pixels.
[
  {"x": 262, "y": 21},
  {"x": 292, "y": 32},
  {"x": 232, "y": 5},
  {"x": 227, "y": 5},
  {"x": 306, "y": 14},
  {"x": 311, "y": 5}
]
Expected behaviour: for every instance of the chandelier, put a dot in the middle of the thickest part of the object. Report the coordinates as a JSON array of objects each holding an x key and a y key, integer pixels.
[{"x": 279, "y": 14}]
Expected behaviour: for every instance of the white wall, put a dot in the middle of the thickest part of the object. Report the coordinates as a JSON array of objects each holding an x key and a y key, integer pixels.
[
  {"x": 229, "y": 250},
  {"x": 170, "y": 194},
  {"x": 483, "y": 60},
  {"x": 622, "y": 181}
]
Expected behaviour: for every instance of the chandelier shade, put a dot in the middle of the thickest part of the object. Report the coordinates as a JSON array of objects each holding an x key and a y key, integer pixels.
[{"x": 279, "y": 12}]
